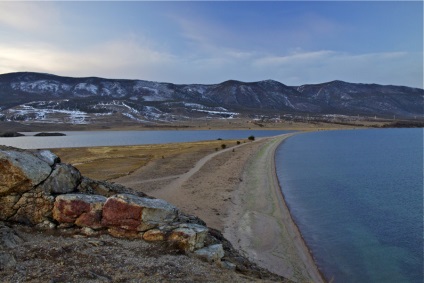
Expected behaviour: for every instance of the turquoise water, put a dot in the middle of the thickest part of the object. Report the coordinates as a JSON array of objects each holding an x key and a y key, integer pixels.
[{"x": 357, "y": 197}]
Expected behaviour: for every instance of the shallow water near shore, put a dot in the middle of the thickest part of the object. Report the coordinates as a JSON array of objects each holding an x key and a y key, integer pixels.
[{"x": 358, "y": 201}]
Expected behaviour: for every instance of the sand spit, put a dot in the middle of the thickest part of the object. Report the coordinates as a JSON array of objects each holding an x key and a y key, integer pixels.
[
  {"x": 261, "y": 224},
  {"x": 237, "y": 191}
]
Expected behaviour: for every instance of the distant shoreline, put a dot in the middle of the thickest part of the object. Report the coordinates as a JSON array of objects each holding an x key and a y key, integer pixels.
[{"x": 41, "y": 134}]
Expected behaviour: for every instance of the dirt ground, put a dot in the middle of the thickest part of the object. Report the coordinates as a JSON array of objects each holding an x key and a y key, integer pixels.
[
  {"x": 69, "y": 256},
  {"x": 221, "y": 187}
]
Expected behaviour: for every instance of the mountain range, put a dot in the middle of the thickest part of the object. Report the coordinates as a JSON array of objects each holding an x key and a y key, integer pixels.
[{"x": 44, "y": 97}]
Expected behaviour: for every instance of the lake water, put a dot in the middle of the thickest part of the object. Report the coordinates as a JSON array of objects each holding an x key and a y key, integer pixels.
[
  {"x": 357, "y": 197},
  {"x": 116, "y": 138}
]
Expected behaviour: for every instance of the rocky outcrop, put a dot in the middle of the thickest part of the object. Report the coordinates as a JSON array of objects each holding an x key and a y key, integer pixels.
[
  {"x": 37, "y": 189},
  {"x": 39, "y": 193}
]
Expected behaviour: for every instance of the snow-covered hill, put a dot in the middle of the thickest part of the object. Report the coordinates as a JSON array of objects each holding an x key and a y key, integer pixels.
[{"x": 50, "y": 98}]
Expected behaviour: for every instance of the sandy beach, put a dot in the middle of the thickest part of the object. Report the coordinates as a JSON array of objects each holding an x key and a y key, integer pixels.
[
  {"x": 235, "y": 190},
  {"x": 261, "y": 224}
]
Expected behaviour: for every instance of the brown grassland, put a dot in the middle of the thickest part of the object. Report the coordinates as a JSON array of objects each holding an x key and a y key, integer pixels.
[{"x": 111, "y": 162}]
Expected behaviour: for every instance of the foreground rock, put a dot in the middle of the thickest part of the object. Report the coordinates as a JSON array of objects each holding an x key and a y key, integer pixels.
[{"x": 36, "y": 190}]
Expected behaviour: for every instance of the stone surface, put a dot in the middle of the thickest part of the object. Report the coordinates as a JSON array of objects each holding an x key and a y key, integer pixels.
[
  {"x": 189, "y": 237},
  {"x": 137, "y": 213},
  {"x": 64, "y": 179},
  {"x": 6, "y": 260},
  {"x": 83, "y": 210},
  {"x": 212, "y": 253},
  {"x": 227, "y": 265},
  {"x": 88, "y": 231},
  {"x": 33, "y": 207},
  {"x": 154, "y": 235},
  {"x": 47, "y": 156},
  {"x": 6, "y": 204},
  {"x": 124, "y": 233},
  {"x": 8, "y": 237},
  {"x": 46, "y": 225},
  {"x": 120, "y": 213},
  {"x": 89, "y": 186},
  {"x": 20, "y": 171}
]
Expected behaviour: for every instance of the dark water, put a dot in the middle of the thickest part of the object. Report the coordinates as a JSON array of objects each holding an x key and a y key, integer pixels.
[
  {"x": 115, "y": 138},
  {"x": 357, "y": 197}
]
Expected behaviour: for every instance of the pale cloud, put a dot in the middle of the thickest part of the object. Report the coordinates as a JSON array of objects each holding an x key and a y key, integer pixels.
[
  {"x": 272, "y": 60},
  {"x": 28, "y": 16},
  {"x": 400, "y": 68},
  {"x": 117, "y": 58},
  {"x": 136, "y": 58}
]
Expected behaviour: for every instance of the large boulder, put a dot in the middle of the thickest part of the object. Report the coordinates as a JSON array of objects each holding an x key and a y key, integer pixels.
[
  {"x": 20, "y": 171},
  {"x": 137, "y": 213},
  {"x": 79, "y": 209},
  {"x": 64, "y": 179}
]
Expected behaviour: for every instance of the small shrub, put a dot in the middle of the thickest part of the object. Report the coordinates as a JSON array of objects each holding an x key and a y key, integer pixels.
[
  {"x": 251, "y": 138},
  {"x": 238, "y": 142},
  {"x": 219, "y": 139},
  {"x": 223, "y": 146}
]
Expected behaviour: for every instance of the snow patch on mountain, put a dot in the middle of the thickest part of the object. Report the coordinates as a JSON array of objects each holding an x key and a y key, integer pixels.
[
  {"x": 39, "y": 86},
  {"x": 30, "y": 113},
  {"x": 85, "y": 87}
]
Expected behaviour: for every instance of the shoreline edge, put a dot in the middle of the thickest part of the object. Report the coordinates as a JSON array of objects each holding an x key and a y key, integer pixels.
[{"x": 261, "y": 226}]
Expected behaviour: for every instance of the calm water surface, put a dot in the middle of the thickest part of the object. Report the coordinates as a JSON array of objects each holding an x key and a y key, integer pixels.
[
  {"x": 357, "y": 197},
  {"x": 115, "y": 138}
]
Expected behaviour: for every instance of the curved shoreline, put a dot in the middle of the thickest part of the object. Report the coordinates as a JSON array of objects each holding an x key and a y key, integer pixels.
[
  {"x": 315, "y": 273},
  {"x": 261, "y": 225},
  {"x": 238, "y": 192}
]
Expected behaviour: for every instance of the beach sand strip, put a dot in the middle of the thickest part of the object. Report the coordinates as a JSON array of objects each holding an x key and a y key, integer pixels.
[{"x": 260, "y": 223}]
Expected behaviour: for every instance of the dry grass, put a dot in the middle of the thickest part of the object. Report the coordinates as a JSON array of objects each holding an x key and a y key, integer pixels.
[{"x": 111, "y": 162}]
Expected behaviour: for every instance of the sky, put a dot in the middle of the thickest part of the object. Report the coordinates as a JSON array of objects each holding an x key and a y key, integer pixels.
[{"x": 293, "y": 42}]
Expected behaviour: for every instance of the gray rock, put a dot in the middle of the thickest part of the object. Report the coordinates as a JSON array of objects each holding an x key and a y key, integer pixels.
[
  {"x": 47, "y": 156},
  {"x": 20, "y": 171},
  {"x": 8, "y": 237},
  {"x": 6, "y": 260},
  {"x": 94, "y": 187},
  {"x": 211, "y": 253},
  {"x": 227, "y": 265},
  {"x": 64, "y": 179}
]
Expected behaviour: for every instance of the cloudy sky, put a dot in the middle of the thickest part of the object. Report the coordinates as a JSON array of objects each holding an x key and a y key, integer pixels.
[{"x": 210, "y": 42}]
